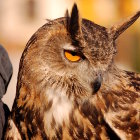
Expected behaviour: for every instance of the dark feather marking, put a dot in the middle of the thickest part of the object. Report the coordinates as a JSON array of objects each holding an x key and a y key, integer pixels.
[
  {"x": 90, "y": 111},
  {"x": 78, "y": 129},
  {"x": 70, "y": 131},
  {"x": 49, "y": 105},
  {"x": 89, "y": 134},
  {"x": 134, "y": 80},
  {"x": 29, "y": 133},
  {"x": 19, "y": 117},
  {"x": 54, "y": 138},
  {"x": 107, "y": 101},
  {"x": 53, "y": 123},
  {"x": 127, "y": 96},
  {"x": 132, "y": 128},
  {"x": 27, "y": 119},
  {"x": 72, "y": 120},
  {"x": 111, "y": 134},
  {"x": 40, "y": 123},
  {"x": 118, "y": 106},
  {"x": 128, "y": 117},
  {"x": 59, "y": 132},
  {"x": 135, "y": 85},
  {"x": 10, "y": 138}
]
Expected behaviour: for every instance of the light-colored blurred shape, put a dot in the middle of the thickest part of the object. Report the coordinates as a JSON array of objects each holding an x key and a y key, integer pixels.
[
  {"x": 102, "y": 12},
  {"x": 105, "y": 12},
  {"x": 86, "y": 8},
  {"x": 16, "y": 26},
  {"x": 11, "y": 91},
  {"x": 55, "y": 8}
]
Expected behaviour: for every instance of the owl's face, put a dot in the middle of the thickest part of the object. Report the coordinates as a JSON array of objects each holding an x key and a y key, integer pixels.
[
  {"x": 71, "y": 55},
  {"x": 54, "y": 55}
]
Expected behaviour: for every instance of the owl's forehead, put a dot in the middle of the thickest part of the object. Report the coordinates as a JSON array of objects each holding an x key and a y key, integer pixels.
[
  {"x": 93, "y": 28},
  {"x": 92, "y": 32}
]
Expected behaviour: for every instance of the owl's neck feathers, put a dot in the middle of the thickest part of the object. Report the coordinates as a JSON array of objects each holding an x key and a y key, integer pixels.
[
  {"x": 116, "y": 83},
  {"x": 58, "y": 109}
]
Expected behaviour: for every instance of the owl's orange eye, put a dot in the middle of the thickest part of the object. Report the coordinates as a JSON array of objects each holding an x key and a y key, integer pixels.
[{"x": 72, "y": 56}]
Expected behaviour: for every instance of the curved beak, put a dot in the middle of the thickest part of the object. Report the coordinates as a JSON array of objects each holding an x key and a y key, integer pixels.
[{"x": 97, "y": 83}]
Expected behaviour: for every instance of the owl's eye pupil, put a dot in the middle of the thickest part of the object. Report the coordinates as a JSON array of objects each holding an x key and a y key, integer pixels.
[{"x": 73, "y": 53}]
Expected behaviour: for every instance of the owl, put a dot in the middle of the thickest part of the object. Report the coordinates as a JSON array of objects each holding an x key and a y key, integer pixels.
[{"x": 69, "y": 87}]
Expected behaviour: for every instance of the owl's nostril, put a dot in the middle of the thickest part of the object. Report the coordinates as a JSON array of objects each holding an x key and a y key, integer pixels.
[{"x": 97, "y": 84}]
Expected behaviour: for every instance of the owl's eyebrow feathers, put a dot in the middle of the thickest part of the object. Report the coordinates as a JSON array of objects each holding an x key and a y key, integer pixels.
[
  {"x": 76, "y": 49},
  {"x": 71, "y": 47}
]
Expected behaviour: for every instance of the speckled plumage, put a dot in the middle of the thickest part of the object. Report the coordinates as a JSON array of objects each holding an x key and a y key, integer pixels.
[{"x": 90, "y": 99}]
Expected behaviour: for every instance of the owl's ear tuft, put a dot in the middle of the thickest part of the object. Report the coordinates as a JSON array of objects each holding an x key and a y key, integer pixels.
[
  {"x": 116, "y": 30},
  {"x": 67, "y": 19},
  {"x": 67, "y": 14},
  {"x": 74, "y": 24}
]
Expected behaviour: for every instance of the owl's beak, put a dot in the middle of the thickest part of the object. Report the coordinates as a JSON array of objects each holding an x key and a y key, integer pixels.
[{"x": 97, "y": 83}]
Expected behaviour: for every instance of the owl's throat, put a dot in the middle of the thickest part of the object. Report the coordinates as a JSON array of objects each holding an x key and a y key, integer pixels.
[{"x": 60, "y": 108}]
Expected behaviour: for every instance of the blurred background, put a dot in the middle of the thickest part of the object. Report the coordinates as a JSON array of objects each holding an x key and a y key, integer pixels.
[{"x": 20, "y": 19}]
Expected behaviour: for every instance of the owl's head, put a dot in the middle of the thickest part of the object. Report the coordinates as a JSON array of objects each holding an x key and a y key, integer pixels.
[{"x": 71, "y": 53}]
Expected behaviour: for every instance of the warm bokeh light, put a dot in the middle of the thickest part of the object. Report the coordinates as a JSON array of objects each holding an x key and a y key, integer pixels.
[{"x": 20, "y": 19}]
